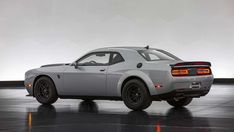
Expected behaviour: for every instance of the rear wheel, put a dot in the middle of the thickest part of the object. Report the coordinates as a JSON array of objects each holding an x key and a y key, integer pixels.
[
  {"x": 180, "y": 102},
  {"x": 45, "y": 91},
  {"x": 135, "y": 95}
]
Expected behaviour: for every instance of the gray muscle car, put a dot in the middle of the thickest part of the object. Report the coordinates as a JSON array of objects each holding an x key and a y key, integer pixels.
[{"x": 136, "y": 75}]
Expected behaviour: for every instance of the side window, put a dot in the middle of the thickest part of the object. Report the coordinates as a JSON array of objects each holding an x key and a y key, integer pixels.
[
  {"x": 149, "y": 56},
  {"x": 95, "y": 59},
  {"x": 116, "y": 58},
  {"x": 153, "y": 57}
]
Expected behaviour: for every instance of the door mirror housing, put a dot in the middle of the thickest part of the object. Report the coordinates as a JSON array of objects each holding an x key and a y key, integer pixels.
[{"x": 75, "y": 64}]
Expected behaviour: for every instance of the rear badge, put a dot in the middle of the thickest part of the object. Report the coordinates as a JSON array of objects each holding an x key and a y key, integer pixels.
[{"x": 195, "y": 85}]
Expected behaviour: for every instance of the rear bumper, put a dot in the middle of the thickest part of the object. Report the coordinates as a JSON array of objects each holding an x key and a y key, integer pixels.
[
  {"x": 169, "y": 84},
  {"x": 192, "y": 93}
]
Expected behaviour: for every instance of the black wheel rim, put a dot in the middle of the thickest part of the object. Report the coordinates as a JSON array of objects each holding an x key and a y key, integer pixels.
[
  {"x": 134, "y": 95},
  {"x": 43, "y": 89}
]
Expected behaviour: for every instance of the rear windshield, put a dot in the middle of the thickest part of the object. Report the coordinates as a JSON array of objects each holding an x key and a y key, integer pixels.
[{"x": 154, "y": 55}]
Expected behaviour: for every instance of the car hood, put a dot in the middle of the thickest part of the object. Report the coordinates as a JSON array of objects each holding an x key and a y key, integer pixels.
[{"x": 58, "y": 64}]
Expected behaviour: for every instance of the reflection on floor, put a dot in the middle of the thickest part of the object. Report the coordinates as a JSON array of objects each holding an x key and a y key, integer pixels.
[{"x": 214, "y": 112}]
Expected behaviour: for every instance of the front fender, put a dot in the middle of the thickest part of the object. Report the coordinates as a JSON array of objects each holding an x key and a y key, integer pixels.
[
  {"x": 32, "y": 75},
  {"x": 140, "y": 74}
]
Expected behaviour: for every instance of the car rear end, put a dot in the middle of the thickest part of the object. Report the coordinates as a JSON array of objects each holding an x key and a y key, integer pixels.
[{"x": 188, "y": 79}]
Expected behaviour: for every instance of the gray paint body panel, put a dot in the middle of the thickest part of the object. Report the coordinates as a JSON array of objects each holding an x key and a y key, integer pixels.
[{"x": 90, "y": 81}]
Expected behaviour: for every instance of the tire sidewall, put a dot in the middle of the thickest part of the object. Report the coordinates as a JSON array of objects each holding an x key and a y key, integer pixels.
[
  {"x": 180, "y": 103},
  {"x": 52, "y": 91},
  {"x": 144, "y": 102}
]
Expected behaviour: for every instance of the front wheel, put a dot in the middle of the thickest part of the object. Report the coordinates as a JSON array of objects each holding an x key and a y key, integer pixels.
[
  {"x": 135, "y": 95},
  {"x": 180, "y": 102},
  {"x": 45, "y": 91}
]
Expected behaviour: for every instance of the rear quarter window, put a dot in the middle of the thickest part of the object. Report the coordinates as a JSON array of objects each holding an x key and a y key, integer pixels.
[{"x": 154, "y": 55}]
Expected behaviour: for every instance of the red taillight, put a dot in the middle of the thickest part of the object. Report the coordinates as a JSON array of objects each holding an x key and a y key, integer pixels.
[
  {"x": 191, "y": 71},
  {"x": 203, "y": 71},
  {"x": 180, "y": 72}
]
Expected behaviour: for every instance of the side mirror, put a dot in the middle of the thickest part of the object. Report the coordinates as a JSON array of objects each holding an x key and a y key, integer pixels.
[{"x": 75, "y": 65}]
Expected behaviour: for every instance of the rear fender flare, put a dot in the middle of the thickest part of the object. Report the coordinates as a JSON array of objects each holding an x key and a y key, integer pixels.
[{"x": 139, "y": 74}]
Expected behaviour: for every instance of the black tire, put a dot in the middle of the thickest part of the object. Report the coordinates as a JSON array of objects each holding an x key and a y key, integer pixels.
[
  {"x": 135, "y": 95},
  {"x": 45, "y": 91},
  {"x": 180, "y": 102}
]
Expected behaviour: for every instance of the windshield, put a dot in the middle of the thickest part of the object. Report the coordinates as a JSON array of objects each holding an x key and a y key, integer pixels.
[{"x": 154, "y": 55}]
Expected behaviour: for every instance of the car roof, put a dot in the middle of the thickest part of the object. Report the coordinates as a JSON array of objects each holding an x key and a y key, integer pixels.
[{"x": 121, "y": 48}]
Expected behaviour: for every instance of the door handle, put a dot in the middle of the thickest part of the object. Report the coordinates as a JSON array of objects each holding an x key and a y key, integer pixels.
[{"x": 102, "y": 70}]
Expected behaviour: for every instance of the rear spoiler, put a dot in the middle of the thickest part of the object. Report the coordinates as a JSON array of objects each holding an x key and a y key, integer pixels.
[{"x": 191, "y": 64}]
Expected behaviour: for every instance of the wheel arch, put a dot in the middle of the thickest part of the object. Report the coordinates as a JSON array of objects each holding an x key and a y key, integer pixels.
[
  {"x": 39, "y": 76},
  {"x": 130, "y": 78},
  {"x": 135, "y": 74}
]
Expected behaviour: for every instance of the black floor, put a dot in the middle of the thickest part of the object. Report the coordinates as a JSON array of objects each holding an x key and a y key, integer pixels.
[{"x": 214, "y": 112}]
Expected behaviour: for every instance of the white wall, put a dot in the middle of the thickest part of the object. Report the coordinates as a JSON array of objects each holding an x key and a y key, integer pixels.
[{"x": 36, "y": 32}]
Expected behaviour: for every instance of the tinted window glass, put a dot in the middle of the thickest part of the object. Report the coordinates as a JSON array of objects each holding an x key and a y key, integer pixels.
[
  {"x": 154, "y": 55},
  {"x": 95, "y": 59},
  {"x": 116, "y": 58}
]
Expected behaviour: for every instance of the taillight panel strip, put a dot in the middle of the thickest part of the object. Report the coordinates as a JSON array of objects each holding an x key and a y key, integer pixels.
[{"x": 191, "y": 71}]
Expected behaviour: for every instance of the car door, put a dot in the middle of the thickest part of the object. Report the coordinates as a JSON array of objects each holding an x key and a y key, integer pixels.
[{"x": 88, "y": 77}]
